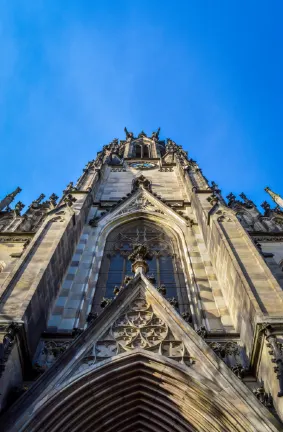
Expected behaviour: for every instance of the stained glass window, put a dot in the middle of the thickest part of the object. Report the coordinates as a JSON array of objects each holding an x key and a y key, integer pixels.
[{"x": 164, "y": 265}]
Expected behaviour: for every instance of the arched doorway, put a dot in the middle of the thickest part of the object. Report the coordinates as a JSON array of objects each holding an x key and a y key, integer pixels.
[{"x": 140, "y": 391}]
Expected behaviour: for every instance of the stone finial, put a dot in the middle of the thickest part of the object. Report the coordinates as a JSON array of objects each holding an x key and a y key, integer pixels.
[
  {"x": 142, "y": 134},
  {"x": 138, "y": 258},
  {"x": 249, "y": 203},
  {"x": 9, "y": 198},
  {"x": 266, "y": 207},
  {"x": 69, "y": 200},
  {"x": 70, "y": 188},
  {"x": 231, "y": 198},
  {"x": 155, "y": 135},
  {"x": 35, "y": 204},
  {"x": 129, "y": 135},
  {"x": 275, "y": 197},
  {"x": 40, "y": 198},
  {"x": 52, "y": 199}
]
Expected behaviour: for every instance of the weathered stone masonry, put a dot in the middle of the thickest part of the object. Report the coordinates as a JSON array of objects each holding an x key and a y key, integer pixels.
[{"x": 141, "y": 273}]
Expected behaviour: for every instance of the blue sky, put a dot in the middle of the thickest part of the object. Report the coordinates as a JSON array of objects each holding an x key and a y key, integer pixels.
[{"x": 73, "y": 73}]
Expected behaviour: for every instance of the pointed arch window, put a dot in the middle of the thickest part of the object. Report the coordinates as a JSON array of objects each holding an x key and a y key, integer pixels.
[{"x": 164, "y": 266}]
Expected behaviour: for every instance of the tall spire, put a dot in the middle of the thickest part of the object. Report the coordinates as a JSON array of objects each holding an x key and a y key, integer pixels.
[
  {"x": 9, "y": 198},
  {"x": 276, "y": 198}
]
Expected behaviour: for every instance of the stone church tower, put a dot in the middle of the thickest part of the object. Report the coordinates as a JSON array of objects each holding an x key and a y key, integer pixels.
[{"x": 141, "y": 301}]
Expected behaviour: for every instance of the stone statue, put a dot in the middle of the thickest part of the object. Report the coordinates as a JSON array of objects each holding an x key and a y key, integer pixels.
[
  {"x": 155, "y": 135},
  {"x": 18, "y": 208},
  {"x": 129, "y": 135}
]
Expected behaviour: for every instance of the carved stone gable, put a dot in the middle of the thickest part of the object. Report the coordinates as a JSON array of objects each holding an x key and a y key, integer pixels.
[
  {"x": 140, "y": 203},
  {"x": 138, "y": 327}
]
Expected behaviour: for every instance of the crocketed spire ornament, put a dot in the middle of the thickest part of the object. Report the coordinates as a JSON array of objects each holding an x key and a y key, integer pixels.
[
  {"x": 138, "y": 258},
  {"x": 9, "y": 198},
  {"x": 276, "y": 198}
]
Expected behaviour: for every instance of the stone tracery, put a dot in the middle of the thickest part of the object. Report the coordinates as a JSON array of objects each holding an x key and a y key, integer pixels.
[{"x": 139, "y": 327}]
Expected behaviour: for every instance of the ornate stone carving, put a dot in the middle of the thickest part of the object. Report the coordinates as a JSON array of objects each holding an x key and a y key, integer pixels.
[
  {"x": 187, "y": 316},
  {"x": 139, "y": 256},
  {"x": 139, "y": 204},
  {"x": 105, "y": 302},
  {"x": 155, "y": 135},
  {"x": 248, "y": 203},
  {"x": 69, "y": 200},
  {"x": 231, "y": 199},
  {"x": 129, "y": 135},
  {"x": 128, "y": 279},
  {"x": 138, "y": 327},
  {"x": 224, "y": 349},
  {"x": 224, "y": 216},
  {"x": 202, "y": 332},
  {"x": 213, "y": 199},
  {"x": 162, "y": 289},
  {"x": 18, "y": 208},
  {"x": 7, "y": 339},
  {"x": 239, "y": 371},
  {"x": 36, "y": 203},
  {"x": 263, "y": 397},
  {"x": 9, "y": 198},
  {"x": 70, "y": 188},
  {"x": 55, "y": 348},
  {"x": 276, "y": 351},
  {"x": 51, "y": 350},
  {"x": 58, "y": 218},
  {"x": 266, "y": 207},
  {"x": 52, "y": 199},
  {"x": 173, "y": 302},
  {"x": 141, "y": 182}
]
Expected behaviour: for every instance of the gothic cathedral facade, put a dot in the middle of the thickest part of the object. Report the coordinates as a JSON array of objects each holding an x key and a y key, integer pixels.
[{"x": 141, "y": 300}]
